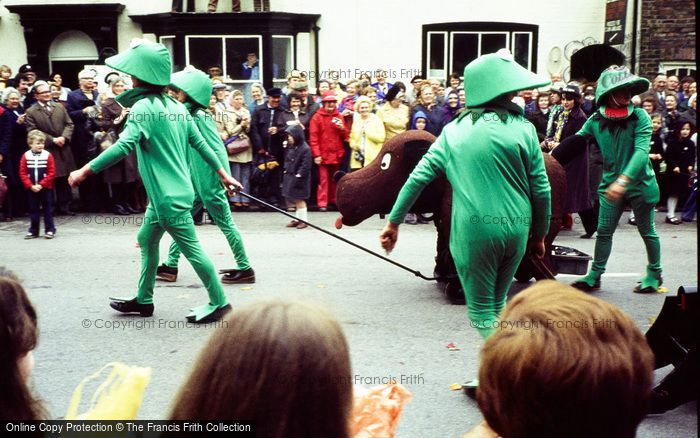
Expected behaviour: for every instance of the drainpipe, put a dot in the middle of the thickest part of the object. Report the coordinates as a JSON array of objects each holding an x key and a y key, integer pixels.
[
  {"x": 316, "y": 50},
  {"x": 633, "y": 51}
]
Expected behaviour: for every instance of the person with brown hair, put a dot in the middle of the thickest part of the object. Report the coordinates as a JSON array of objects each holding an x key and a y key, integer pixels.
[
  {"x": 19, "y": 334},
  {"x": 283, "y": 365},
  {"x": 596, "y": 382}
]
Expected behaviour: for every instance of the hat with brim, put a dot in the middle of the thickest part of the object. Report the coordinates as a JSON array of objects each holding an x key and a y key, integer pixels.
[
  {"x": 195, "y": 83},
  {"x": 571, "y": 90},
  {"x": 329, "y": 96},
  {"x": 615, "y": 78},
  {"x": 145, "y": 60},
  {"x": 495, "y": 74}
]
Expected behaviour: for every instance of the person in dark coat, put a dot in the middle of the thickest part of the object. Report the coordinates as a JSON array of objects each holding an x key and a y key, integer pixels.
[
  {"x": 540, "y": 116},
  {"x": 296, "y": 184},
  {"x": 579, "y": 198},
  {"x": 680, "y": 163},
  {"x": 657, "y": 153},
  {"x": 432, "y": 110},
  {"x": 13, "y": 143},
  {"x": 266, "y": 133},
  {"x": 122, "y": 176},
  {"x": 295, "y": 114},
  {"x": 83, "y": 110}
]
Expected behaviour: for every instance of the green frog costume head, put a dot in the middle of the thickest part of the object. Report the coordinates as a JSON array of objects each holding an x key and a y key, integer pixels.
[
  {"x": 615, "y": 78},
  {"x": 494, "y": 75},
  {"x": 195, "y": 83},
  {"x": 148, "y": 61}
]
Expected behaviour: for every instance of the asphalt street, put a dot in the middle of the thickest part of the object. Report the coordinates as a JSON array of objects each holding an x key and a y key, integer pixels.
[{"x": 398, "y": 326}]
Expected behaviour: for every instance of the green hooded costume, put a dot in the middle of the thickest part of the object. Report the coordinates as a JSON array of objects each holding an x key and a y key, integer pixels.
[
  {"x": 500, "y": 190},
  {"x": 163, "y": 134},
  {"x": 624, "y": 136},
  {"x": 208, "y": 189}
]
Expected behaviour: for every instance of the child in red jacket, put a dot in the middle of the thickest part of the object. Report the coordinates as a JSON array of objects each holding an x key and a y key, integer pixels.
[{"x": 37, "y": 171}]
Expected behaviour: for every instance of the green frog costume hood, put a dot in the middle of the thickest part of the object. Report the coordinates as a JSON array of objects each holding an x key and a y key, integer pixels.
[
  {"x": 148, "y": 61},
  {"x": 195, "y": 83},
  {"x": 614, "y": 78}
]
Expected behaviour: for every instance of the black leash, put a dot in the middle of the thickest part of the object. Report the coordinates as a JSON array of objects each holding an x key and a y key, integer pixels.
[{"x": 386, "y": 259}]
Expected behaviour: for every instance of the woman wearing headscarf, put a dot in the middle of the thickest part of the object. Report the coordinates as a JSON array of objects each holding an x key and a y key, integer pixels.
[{"x": 451, "y": 107}]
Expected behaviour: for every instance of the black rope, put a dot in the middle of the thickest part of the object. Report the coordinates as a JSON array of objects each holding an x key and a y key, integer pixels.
[{"x": 386, "y": 259}]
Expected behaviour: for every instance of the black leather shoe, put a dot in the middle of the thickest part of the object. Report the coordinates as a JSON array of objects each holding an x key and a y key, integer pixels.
[
  {"x": 647, "y": 290},
  {"x": 121, "y": 211},
  {"x": 632, "y": 221},
  {"x": 131, "y": 209},
  {"x": 217, "y": 315},
  {"x": 470, "y": 388},
  {"x": 166, "y": 273},
  {"x": 586, "y": 236},
  {"x": 132, "y": 306},
  {"x": 585, "y": 287},
  {"x": 236, "y": 277}
]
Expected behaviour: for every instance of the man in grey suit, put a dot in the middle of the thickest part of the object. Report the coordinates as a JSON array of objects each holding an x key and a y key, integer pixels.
[{"x": 52, "y": 119}]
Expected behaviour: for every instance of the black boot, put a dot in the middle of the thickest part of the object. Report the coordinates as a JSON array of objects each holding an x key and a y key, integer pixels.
[
  {"x": 217, "y": 315},
  {"x": 236, "y": 277},
  {"x": 131, "y": 306},
  {"x": 166, "y": 273}
]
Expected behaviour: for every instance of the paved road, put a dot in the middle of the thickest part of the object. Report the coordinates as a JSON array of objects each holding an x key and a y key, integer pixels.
[{"x": 397, "y": 325}]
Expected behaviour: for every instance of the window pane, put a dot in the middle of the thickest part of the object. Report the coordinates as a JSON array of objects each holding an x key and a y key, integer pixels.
[
  {"x": 521, "y": 49},
  {"x": 169, "y": 43},
  {"x": 437, "y": 51},
  {"x": 237, "y": 50},
  {"x": 465, "y": 49},
  {"x": 205, "y": 52},
  {"x": 493, "y": 42},
  {"x": 282, "y": 57}
]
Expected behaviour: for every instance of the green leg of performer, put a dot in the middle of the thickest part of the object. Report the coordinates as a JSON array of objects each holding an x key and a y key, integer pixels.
[
  {"x": 486, "y": 288},
  {"x": 217, "y": 206},
  {"x": 608, "y": 218}
]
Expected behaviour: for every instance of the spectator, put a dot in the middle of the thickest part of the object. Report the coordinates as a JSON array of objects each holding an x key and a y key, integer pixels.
[
  {"x": 656, "y": 155},
  {"x": 680, "y": 163},
  {"x": 292, "y": 78},
  {"x": 672, "y": 85},
  {"x": 451, "y": 108},
  {"x": 5, "y": 75},
  {"x": 347, "y": 105},
  {"x": 690, "y": 115},
  {"x": 308, "y": 104},
  {"x": 683, "y": 94},
  {"x": 671, "y": 112},
  {"x": 83, "y": 109},
  {"x": 658, "y": 91},
  {"x": 436, "y": 84},
  {"x": 28, "y": 72},
  {"x": 530, "y": 101},
  {"x": 27, "y": 99},
  {"x": 53, "y": 120},
  {"x": 123, "y": 176},
  {"x": 540, "y": 116},
  {"x": 412, "y": 96},
  {"x": 455, "y": 82},
  {"x": 588, "y": 104},
  {"x": 240, "y": 163},
  {"x": 394, "y": 114},
  {"x": 295, "y": 114},
  {"x": 258, "y": 97},
  {"x": 367, "y": 135},
  {"x": 19, "y": 336},
  {"x": 419, "y": 121},
  {"x": 597, "y": 382},
  {"x": 13, "y": 143},
  {"x": 382, "y": 86},
  {"x": 57, "y": 79},
  {"x": 37, "y": 170},
  {"x": 215, "y": 71},
  {"x": 296, "y": 184},
  {"x": 649, "y": 105},
  {"x": 429, "y": 107},
  {"x": 462, "y": 97},
  {"x": 221, "y": 93},
  {"x": 56, "y": 93},
  {"x": 322, "y": 86},
  {"x": 239, "y": 373},
  {"x": 326, "y": 136},
  {"x": 266, "y": 134},
  {"x": 251, "y": 67},
  {"x": 371, "y": 93}
]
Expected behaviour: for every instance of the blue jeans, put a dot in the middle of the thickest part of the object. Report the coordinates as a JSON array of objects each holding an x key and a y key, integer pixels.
[
  {"x": 241, "y": 171},
  {"x": 43, "y": 198}
]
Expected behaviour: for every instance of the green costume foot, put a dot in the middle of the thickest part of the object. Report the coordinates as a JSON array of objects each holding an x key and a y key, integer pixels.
[
  {"x": 237, "y": 277},
  {"x": 648, "y": 285},
  {"x": 166, "y": 273},
  {"x": 131, "y": 305},
  {"x": 470, "y": 388},
  {"x": 589, "y": 283},
  {"x": 208, "y": 313}
]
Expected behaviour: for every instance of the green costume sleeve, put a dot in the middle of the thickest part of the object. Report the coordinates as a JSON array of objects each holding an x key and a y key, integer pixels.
[
  {"x": 128, "y": 139},
  {"x": 428, "y": 168},
  {"x": 642, "y": 145},
  {"x": 540, "y": 190},
  {"x": 197, "y": 142},
  {"x": 587, "y": 128}
]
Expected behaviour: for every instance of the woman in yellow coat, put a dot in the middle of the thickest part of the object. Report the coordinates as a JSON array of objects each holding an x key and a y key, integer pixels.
[
  {"x": 394, "y": 114},
  {"x": 367, "y": 134}
]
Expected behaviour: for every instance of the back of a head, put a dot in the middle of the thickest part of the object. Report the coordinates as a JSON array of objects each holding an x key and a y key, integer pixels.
[
  {"x": 564, "y": 363},
  {"x": 18, "y": 336},
  {"x": 283, "y": 365}
]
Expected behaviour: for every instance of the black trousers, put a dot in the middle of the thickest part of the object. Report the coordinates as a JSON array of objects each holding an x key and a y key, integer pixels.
[{"x": 42, "y": 199}]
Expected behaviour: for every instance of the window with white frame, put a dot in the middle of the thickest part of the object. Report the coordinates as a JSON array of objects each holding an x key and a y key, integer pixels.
[
  {"x": 680, "y": 69},
  {"x": 449, "y": 47},
  {"x": 238, "y": 56},
  {"x": 169, "y": 42},
  {"x": 282, "y": 58}
]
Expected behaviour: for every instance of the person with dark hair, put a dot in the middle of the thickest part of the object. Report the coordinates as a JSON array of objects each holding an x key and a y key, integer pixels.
[
  {"x": 296, "y": 183},
  {"x": 680, "y": 163},
  {"x": 382, "y": 86},
  {"x": 623, "y": 133},
  {"x": 596, "y": 382},
  {"x": 162, "y": 132},
  {"x": 13, "y": 143},
  {"x": 19, "y": 336},
  {"x": 428, "y": 105},
  {"x": 394, "y": 114},
  {"x": 412, "y": 95},
  {"x": 540, "y": 116},
  {"x": 283, "y": 365},
  {"x": 266, "y": 133},
  {"x": 454, "y": 82},
  {"x": 57, "y": 80}
]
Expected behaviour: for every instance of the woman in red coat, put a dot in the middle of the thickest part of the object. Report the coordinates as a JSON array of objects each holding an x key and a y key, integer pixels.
[{"x": 326, "y": 136}]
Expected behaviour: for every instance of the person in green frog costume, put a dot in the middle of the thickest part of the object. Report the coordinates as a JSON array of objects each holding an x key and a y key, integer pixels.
[
  {"x": 161, "y": 131},
  {"x": 623, "y": 133},
  {"x": 500, "y": 191},
  {"x": 193, "y": 89}
]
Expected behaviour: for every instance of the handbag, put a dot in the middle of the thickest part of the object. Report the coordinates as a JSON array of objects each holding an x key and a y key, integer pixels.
[{"x": 237, "y": 144}]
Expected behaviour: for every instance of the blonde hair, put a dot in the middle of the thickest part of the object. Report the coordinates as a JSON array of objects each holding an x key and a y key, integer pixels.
[
  {"x": 35, "y": 134},
  {"x": 564, "y": 363},
  {"x": 284, "y": 365}
]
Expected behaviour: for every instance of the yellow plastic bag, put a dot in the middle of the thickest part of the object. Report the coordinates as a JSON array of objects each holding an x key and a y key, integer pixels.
[
  {"x": 117, "y": 398},
  {"x": 376, "y": 411}
]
